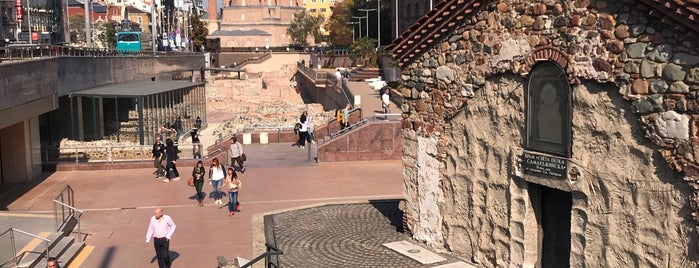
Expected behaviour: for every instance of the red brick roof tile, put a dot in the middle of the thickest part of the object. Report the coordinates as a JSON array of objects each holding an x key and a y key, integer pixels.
[{"x": 448, "y": 13}]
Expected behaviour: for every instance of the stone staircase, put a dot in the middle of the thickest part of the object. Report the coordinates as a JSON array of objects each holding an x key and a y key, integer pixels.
[
  {"x": 365, "y": 73},
  {"x": 62, "y": 246}
]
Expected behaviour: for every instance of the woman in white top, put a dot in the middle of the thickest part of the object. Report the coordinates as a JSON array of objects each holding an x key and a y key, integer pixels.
[{"x": 216, "y": 176}]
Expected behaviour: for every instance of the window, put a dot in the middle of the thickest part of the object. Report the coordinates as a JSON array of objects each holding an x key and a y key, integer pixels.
[
  {"x": 549, "y": 105},
  {"x": 312, "y": 10},
  {"x": 322, "y": 10}
]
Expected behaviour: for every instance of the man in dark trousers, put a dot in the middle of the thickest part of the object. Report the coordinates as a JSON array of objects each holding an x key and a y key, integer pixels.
[
  {"x": 158, "y": 154},
  {"x": 161, "y": 229}
]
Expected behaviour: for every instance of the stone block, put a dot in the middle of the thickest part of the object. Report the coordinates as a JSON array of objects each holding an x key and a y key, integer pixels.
[
  {"x": 673, "y": 125},
  {"x": 247, "y": 138},
  {"x": 264, "y": 138}
]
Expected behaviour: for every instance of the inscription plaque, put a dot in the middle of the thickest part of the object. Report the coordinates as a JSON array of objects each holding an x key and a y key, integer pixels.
[{"x": 544, "y": 165}]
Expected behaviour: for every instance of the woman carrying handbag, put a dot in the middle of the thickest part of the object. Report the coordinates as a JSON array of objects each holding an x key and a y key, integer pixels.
[{"x": 198, "y": 175}]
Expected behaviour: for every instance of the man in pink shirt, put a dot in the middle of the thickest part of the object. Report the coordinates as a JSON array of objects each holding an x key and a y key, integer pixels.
[{"x": 161, "y": 229}]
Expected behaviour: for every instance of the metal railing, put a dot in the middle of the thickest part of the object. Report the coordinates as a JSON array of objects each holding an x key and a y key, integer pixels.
[
  {"x": 106, "y": 154},
  {"x": 15, "y": 257},
  {"x": 310, "y": 73},
  {"x": 386, "y": 117},
  {"x": 35, "y": 51},
  {"x": 267, "y": 256},
  {"x": 64, "y": 206}
]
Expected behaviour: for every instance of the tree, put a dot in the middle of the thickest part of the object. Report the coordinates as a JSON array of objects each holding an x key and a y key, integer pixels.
[
  {"x": 301, "y": 27},
  {"x": 362, "y": 51},
  {"x": 339, "y": 27},
  {"x": 107, "y": 34},
  {"x": 198, "y": 32},
  {"x": 77, "y": 28}
]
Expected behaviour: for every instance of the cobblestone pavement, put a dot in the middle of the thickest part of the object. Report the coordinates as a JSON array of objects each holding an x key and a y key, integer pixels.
[{"x": 344, "y": 235}]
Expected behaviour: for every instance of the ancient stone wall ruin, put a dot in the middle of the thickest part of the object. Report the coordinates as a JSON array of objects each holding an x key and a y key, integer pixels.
[{"x": 634, "y": 79}]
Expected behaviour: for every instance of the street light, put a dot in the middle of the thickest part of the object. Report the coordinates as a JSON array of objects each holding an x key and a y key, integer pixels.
[
  {"x": 353, "y": 23},
  {"x": 367, "y": 19},
  {"x": 378, "y": 20},
  {"x": 360, "y": 25}
]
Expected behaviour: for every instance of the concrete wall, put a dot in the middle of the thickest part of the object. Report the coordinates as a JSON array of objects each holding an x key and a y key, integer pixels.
[
  {"x": 27, "y": 81},
  {"x": 374, "y": 141},
  {"x": 32, "y": 88},
  {"x": 14, "y": 144}
]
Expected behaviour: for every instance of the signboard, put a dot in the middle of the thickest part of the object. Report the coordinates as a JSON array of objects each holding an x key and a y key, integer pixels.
[
  {"x": 35, "y": 36},
  {"x": 544, "y": 165},
  {"x": 18, "y": 11}
]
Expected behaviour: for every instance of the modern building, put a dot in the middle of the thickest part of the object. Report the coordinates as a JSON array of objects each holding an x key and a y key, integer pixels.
[
  {"x": 8, "y": 23},
  {"x": 322, "y": 9},
  {"x": 98, "y": 12},
  {"x": 254, "y": 24},
  {"x": 409, "y": 11},
  {"x": 43, "y": 17},
  {"x": 553, "y": 133}
]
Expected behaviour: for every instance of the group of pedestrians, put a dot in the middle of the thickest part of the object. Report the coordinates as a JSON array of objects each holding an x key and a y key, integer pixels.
[
  {"x": 221, "y": 179},
  {"x": 304, "y": 127},
  {"x": 169, "y": 153},
  {"x": 162, "y": 227}
]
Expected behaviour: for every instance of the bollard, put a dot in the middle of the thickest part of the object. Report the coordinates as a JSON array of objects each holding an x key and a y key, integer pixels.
[
  {"x": 264, "y": 138},
  {"x": 247, "y": 138}
]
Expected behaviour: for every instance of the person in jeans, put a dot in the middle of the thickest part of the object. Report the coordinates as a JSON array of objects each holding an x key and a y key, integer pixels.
[
  {"x": 234, "y": 185},
  {"x": 161, "y": 229},
  {"x": 198, "y": 175},
  {"x": 158, "y": 153},
  {"x": 235, "y": 152},
  {"x": 216, "y": 176},
  {"x": 309, "y": 128},
  {"x": 196, "y": 143}
]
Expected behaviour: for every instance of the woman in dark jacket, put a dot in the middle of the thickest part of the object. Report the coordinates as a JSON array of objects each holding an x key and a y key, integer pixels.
[
  {"x": 198, "y": 175},
  {"x": 171, "y": 158}
]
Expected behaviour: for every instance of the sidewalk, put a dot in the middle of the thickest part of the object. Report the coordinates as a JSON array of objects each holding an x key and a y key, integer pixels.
[{"x": 119, "y": 205}]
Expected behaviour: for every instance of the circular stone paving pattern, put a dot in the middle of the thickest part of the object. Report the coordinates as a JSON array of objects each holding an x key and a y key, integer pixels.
[{"x": 347, "y": 235}]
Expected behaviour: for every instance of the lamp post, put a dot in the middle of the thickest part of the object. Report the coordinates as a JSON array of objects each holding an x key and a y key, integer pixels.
[
  {"x": 367, "y": 19},
  {"x": 360, "y": 25},
  {"x": 88, "y": 30},
  {"x": 29, "y": 22},
  {"x": 353, "y": 23}
]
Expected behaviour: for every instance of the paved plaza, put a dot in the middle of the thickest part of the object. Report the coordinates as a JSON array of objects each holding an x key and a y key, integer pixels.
[
  {"x": 323, "y": 214},
  {"x": 119, "y": 203}
]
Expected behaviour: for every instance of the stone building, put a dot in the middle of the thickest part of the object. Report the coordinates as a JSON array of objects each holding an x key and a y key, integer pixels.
[
  {"x": 553, "y": 133},
  {"x": 254, "y": 23}
]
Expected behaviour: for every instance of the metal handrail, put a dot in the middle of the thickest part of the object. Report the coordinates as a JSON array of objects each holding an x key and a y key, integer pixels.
[
  {"x": 75, "y": 152},
  {"x": 15, "y": 257},
  {"x": 271, "y": 251},
  {"x": 34, "y": 51},
  {"x": 71, "y": 206}
]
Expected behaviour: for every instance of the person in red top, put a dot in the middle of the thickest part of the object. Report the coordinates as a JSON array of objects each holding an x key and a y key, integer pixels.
[{"x": 161, "y": 229}]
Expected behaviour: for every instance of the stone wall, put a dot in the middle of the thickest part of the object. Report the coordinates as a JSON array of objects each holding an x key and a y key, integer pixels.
[{"x": 634, "y": 82}]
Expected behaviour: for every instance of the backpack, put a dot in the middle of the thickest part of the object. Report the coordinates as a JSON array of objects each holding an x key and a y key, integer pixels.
[{"x": 339, "y": 114}]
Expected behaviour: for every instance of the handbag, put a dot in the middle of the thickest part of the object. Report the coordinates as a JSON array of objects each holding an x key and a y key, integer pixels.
[
  {"x": 190, "y": 182},
  {"x": 243, "y": 157}
]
